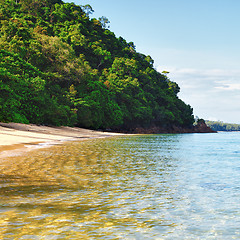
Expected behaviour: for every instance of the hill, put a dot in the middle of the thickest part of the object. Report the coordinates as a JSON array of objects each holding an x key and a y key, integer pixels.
[{"x": 60, "y": 67}]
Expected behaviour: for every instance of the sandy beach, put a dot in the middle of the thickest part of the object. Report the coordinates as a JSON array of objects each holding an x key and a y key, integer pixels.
[{"x": 24, "y": 137}]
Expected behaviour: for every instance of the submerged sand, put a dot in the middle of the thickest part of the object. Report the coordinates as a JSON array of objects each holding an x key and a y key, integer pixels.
[{"x": 19, "y": 136}]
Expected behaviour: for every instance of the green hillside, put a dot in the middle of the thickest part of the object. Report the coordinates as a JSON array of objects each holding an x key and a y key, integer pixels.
[{"x": 60, "y": 67}]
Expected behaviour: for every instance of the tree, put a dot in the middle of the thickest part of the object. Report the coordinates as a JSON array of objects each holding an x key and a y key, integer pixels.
[
  {"x": 87, "y": 9},
  {"x": 165, "y": 73},
  {"x": 104, "y": 22}
]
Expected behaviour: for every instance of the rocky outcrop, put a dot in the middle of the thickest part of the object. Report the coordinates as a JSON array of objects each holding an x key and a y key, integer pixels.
[{"x": 201, "y": 127}]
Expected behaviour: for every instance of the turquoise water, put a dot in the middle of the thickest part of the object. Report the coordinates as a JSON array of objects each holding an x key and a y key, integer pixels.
[{"x": 184, "y": 186}]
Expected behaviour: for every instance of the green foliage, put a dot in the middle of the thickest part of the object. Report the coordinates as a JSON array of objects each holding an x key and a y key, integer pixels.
[
  {"x": 23, "y": 95},
  {"x": 87, "y": 9},
  {"x": 59, "y": 67},
  {"x": 104, "y": 22}
]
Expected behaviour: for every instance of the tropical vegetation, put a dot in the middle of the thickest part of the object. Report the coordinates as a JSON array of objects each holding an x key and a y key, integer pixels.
[{"x": 58, "y": 66}]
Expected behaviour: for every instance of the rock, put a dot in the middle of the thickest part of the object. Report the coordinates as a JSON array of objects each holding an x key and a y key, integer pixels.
[{"x": 202, "y": 127}]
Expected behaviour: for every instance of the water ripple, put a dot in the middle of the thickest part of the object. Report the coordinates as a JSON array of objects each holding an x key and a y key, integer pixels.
[{"x": 141, "y": 187}]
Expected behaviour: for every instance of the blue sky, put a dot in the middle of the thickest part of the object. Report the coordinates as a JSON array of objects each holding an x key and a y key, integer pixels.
[{"x": 198, "y": 42}]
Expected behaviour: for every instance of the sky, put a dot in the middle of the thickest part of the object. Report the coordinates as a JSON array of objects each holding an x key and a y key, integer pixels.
[{"x": 198, "y": 42}]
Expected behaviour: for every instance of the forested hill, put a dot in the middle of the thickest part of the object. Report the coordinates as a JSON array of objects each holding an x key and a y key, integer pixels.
[{"x": 60, "y": 67}]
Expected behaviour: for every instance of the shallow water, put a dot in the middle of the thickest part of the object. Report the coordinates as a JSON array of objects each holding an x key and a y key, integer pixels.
[{"x": 184, "y": 186}]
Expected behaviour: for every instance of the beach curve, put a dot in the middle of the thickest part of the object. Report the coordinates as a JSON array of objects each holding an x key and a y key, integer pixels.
[{"x": 18, "y": 137}]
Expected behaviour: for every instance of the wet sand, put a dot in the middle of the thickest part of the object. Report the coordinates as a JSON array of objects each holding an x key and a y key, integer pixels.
[{"x": 15, "y": 137}]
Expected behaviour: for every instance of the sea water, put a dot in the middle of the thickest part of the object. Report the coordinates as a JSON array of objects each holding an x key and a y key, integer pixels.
[{"x": 183, "y": 186}]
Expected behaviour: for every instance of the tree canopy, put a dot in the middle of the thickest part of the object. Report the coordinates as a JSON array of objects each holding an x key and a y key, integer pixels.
[{"x": 60, "y": 67}]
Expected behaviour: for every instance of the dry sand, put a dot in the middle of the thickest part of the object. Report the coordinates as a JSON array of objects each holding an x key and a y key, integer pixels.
[{"x": 20, "y": 137}]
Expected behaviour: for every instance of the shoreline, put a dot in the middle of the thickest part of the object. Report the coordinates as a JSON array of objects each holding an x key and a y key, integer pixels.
[{"x": 16, "y": 138}]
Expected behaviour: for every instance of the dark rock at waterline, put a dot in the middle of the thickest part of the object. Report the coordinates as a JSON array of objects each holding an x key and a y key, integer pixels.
[{"x": 201, "y": 127}]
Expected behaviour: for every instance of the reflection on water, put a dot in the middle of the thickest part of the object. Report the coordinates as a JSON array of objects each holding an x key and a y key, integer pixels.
[{"x": 138, "y": 187}]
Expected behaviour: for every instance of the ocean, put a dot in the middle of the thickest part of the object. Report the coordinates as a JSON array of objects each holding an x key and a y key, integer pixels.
[{"x": 166, "y": 186}]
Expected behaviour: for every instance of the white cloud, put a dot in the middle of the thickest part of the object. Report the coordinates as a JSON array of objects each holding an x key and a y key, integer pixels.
[
  {"x": 230, "y": 86},
  {"x": 213, "y": 93},
  {"x": 209, "y": 79}
]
